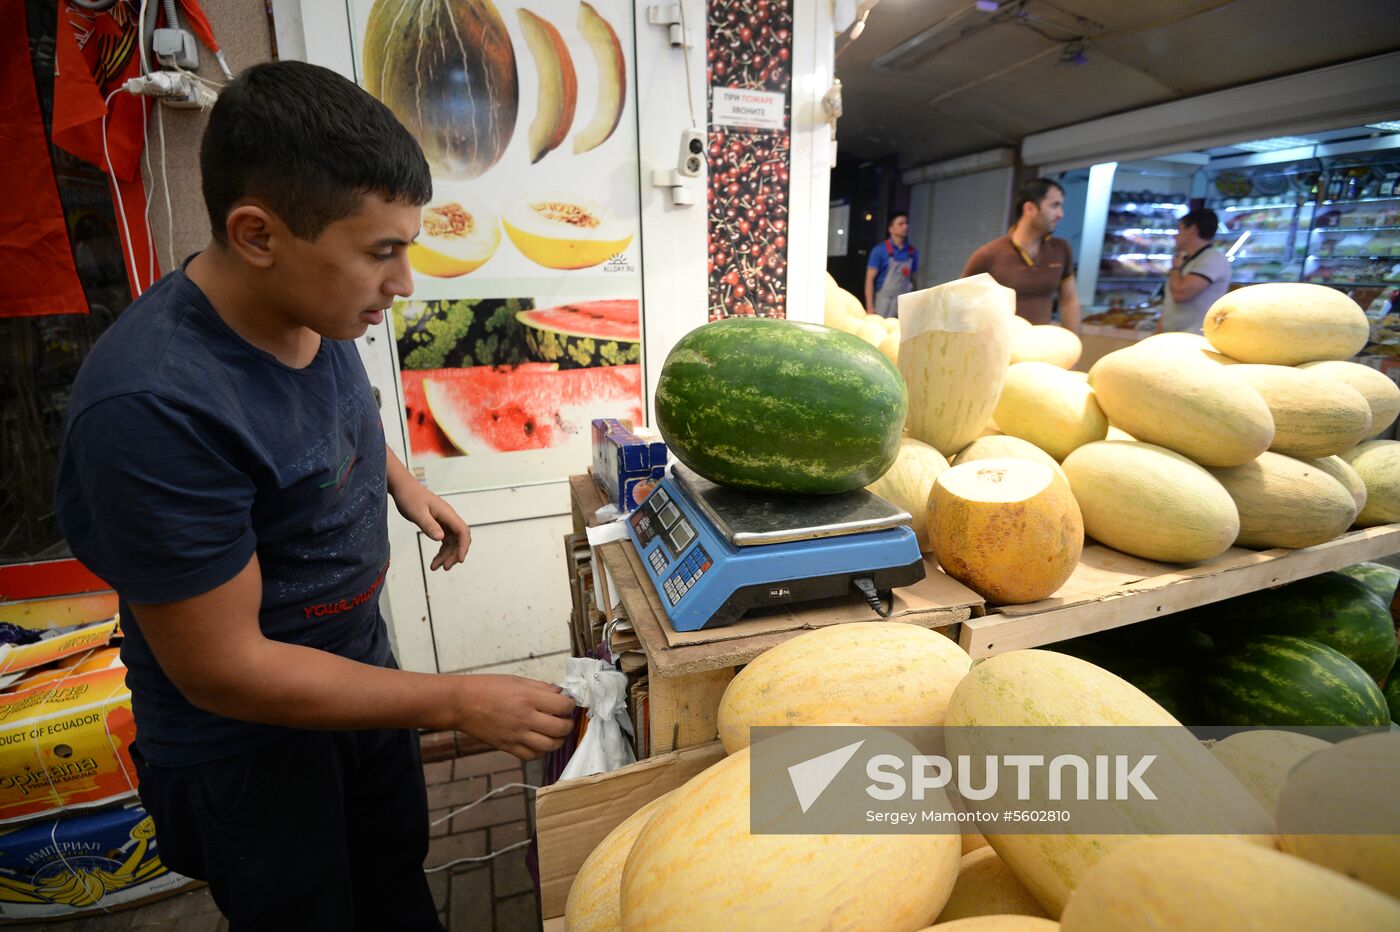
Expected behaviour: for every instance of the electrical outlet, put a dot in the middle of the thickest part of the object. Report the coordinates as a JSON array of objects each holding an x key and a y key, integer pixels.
[{"x": 176, "y": 45}]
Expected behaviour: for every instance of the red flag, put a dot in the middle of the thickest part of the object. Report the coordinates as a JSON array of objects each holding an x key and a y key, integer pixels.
[{"x": 41, "y": 276}]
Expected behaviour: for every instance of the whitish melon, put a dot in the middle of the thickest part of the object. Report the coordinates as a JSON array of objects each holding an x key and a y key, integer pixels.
[
  {"x": 1261, "y": 760},
  {"x": 986, "y": 887},
  {"x": 697, "y": 867},
  {"x": 1046, "y": 406},
  {"x": 1148, "y": 501},
  {"x": 999, "y": 446},
  {"x": 1198, "y": 409},
  {"x": 1046, "y": 343},
  {"x": 1380, "y": 392},
  {"x": 872, "y": 332},
  {"x": 1285, "y": 502},
  {"x": 1339, "y": 469},
  {"x": 1286, "y": 323},
  {"x": 841, "y": 309},
  {"x": 595, "y": 899},
  {"x": 890, "y": 346},
  {"x": 1220, "y": 885},
  {"x": 1036, "y": 688},
  {"x": 1118, "y": 433},
  {"x": 1191, "y": 343},
  {"x": 1322, "y": 794},
  {"x": 955, "y": 345},
  {"x": 909, "y": 482},
  {"x": 1008, "y": 529},
  {"x": 1313, "y": 415},
  {"x": 997, "y": 924},
  {"x": 861, "y": 673},
  {"x": 1377, "y": 462}
]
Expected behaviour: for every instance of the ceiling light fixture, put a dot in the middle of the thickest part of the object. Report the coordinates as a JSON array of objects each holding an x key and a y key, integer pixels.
[
  {"x": 1274, "y": 144},
  {"x": 940, "y": 35}
]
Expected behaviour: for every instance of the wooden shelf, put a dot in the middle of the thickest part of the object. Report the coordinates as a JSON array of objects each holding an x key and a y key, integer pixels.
[{"x": 1111, "y": 589}]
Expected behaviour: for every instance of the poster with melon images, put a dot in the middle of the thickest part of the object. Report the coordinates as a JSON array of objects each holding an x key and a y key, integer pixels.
[{"x": 525, "y": 321}]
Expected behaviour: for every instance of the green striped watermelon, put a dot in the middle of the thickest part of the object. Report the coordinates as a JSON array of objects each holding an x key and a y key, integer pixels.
[
  {"x": 1331, "y": 609},
  {"x": 1381, "y": 579},
  {"x": 781, "y": 406},
  {"x": 1284, "y": 680}
]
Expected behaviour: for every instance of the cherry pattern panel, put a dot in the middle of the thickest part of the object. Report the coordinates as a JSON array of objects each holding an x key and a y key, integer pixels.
[{"x": 749, "y": 47}]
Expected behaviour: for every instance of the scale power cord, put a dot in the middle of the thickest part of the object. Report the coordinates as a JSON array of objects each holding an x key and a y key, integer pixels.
[{"x": 866, "y": 585}]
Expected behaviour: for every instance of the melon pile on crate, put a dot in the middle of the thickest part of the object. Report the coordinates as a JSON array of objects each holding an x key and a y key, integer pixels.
[{"x": 689, "y": 860}]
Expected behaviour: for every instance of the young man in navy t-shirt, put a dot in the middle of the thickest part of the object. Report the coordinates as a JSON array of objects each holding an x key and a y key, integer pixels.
[{"x": 224, "y": 469}]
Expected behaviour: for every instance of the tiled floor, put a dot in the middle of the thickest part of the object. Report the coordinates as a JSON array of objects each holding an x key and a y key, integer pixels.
[{"x": 487, "y": 896}]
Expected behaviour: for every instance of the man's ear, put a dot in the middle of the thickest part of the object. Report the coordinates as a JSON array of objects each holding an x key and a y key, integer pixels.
[{"x": 253, "y": 233}]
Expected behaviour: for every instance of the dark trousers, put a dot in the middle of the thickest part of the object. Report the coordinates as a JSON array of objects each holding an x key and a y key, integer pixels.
[{"x": 320, "y": 830}]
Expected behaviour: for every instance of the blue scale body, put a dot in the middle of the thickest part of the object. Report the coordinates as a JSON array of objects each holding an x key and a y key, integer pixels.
[{"x": 703, "y": 580}]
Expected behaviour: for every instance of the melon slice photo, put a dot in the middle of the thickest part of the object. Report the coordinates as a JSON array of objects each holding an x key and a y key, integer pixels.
[
  {"x": 565, "y": 232},
  {"x": 558, "y": 85},
  {"x": 612, "y": 79},
  {"x": 455, "y": 240},
  {"x": 578, "y": 336}
]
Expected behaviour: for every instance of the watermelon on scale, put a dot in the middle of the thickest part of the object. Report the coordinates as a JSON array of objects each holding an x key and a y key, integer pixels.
[
  {"x": 584, "y": 335},
  {"x": 1331, "y": 609},
  {"x": 1283, "y": 680},
  {"x": 781, "y": 406},
  {"x": 485, "y": 409}
]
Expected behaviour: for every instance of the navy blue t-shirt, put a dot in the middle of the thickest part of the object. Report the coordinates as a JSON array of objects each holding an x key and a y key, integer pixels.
[{"x": 185, "y": 451}]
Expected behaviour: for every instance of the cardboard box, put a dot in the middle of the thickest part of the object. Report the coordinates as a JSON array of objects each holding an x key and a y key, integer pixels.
[
  {"x": 65, "y": 744},
  {"x": 85, "y": 637},
  {"x": 625, "y": 466},
  {"x": 84, "y": 864}
]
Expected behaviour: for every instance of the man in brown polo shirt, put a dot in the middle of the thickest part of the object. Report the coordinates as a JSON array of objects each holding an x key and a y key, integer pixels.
[{"x": 1028, "y": 260}]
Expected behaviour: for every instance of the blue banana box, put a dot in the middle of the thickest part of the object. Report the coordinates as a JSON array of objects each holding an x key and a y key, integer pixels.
[{"x": 625, "y": 466}]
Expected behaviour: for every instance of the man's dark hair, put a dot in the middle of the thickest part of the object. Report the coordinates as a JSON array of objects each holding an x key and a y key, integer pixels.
[
  {"x": 1203, "y": 220},
  {"x": 895, "y": 216},
  {"x": 307, "y": 144},
  {"x": 1033, "y": 192}
]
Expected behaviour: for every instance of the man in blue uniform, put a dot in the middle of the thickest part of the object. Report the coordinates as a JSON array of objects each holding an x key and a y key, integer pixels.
[
  {"x": 224, "y": 469},
  {"x": 891, "y": 268}
]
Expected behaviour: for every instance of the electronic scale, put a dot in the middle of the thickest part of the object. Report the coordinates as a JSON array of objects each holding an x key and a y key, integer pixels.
[{"x": 714, "y": 553}]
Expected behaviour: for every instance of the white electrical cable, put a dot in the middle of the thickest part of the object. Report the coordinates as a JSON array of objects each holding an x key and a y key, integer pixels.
[
  {"x": 165, "y": 183},
  {"x": 150, "y": 173},
  {"x": 685, "y": 57},
  {"x": 116, "y": 189},
  {"x": 462, "y": 809}
]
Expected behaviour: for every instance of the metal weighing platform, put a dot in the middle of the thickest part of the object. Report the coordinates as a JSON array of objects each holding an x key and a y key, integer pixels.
[{"x": 714, "y": 553}]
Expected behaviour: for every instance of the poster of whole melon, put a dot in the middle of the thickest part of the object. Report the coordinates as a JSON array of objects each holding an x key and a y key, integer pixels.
[{"x": 525, "y": 321}]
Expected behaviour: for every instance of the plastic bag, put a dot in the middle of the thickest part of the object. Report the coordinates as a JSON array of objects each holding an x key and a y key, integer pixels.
[{"x": 600, "y": 689}]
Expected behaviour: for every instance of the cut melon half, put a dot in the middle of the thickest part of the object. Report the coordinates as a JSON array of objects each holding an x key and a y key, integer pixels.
[
  {"x": 612, "y": 79},
  {"x": 456, "y": 239},
  {"x": 558, "y": 85},
  {"x": 565, "y": 232}
]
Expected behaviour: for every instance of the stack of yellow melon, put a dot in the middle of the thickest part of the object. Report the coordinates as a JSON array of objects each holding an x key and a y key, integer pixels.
[
  {"x": 689, "y": 861},
  {"x": 1175, "y": 449},
  {"x": 842, "y": 310}
]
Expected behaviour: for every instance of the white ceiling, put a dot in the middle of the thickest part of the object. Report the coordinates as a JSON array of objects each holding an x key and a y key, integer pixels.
[{"x": 995, "y": 78}]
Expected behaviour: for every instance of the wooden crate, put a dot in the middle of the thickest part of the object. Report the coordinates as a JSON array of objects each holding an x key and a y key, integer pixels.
[{"x": 687, "y": 673}]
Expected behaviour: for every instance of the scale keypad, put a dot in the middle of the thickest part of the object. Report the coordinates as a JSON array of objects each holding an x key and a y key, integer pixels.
[
  {"x": 687, "y": 574},
  {"x": 658, "y": 562}
]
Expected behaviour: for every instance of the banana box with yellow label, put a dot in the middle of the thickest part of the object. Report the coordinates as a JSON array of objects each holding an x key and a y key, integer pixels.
[
  {"x": 87, "y": 863},
  {"x": 65, "y": 740}
]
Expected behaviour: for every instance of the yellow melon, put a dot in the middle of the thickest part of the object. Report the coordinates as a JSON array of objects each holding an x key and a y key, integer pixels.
[
  {"x": 1286, "y": 323},
  {"x": 986, "y": 887},
  {"x": 1046, "y": 406},
  {"x": 1380, "y": 392},
  {"x": 1046, "y": 343},
  {"x": 1377, "y": 462},
  {"x": 1261, "y": 759},
  {"x": 1286, "y": 502},
  {"x": 860, "y": 673},
  {"x": 1008, "y": 529},
  {"x": 595, "y": 899},
  {"x": 909, "y": 482},
  {"x": 1313, "y": 415},
  {"x": 1146, "y": 500},
  {"x": 697, "y": 867},
  {"x": 1219, "y": 885}
]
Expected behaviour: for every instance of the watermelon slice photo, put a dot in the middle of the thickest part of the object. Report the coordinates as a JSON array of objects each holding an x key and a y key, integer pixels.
[
  {"x": 485, "y": 409},
  {"x": 584, "y": 335}
]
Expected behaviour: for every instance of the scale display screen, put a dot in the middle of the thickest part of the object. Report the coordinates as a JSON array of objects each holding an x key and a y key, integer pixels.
[{"x": 658, "y": 516}]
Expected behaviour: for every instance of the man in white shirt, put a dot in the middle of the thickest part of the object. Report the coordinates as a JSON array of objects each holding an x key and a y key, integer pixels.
[{"x": 1200, "y": 273}]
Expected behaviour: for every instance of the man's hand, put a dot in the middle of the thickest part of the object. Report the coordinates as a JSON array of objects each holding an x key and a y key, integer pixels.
[
  {"x": 524, "y": 717},
  {"x": 439, "y": 521}
]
